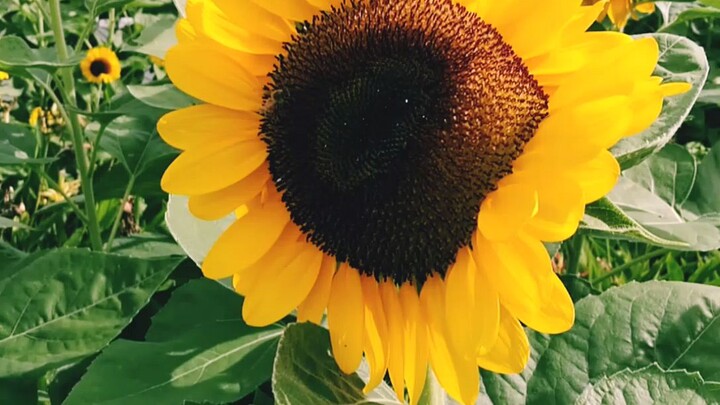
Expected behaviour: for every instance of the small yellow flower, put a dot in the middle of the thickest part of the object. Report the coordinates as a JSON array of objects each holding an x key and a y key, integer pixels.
[
  {"x": 620, "y": 11},
  {"x": 69, "y": 188},
  {"x": 101, "y": 65},
  {"x": 157, "y": 61},
  {"x": 4, "y": 75}
]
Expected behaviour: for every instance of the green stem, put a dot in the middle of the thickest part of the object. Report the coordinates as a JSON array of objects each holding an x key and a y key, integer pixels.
[
  {"x": 111, "y": 27},
  {"x": 619, "y": 269},
  {"x": 118, "y": 215},
  {"x": 75, "y": 129}
]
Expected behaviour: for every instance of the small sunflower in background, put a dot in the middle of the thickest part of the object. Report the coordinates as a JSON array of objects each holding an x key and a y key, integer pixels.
[
  {"x": 101, "y": 65},
  {"x": 157, "y": 61},
  {"x": 4, "y": 75},
  {"x": 620, "y": 11},
  {"x": 397, "y": 165}
]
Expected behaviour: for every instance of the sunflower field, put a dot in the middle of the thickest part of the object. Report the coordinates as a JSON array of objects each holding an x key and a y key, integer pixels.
[{"x": 310, "y": 202}]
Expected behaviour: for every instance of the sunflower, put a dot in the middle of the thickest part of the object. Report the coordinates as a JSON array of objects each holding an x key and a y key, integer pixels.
[
  {"x": 4, "y": 75},
  {"x": 399, "y": 164},
  {"x": 620, "y": 11},
  {"x": 101, "y": 65}
]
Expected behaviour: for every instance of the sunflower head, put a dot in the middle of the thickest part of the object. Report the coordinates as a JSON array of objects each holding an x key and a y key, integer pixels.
[
  {"x": 101, "y": 65},
  {"x": 4, "y": 75},
  {"x": 398, "y": 164}
]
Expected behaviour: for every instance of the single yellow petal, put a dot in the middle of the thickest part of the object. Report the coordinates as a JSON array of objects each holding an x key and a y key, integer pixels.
[
  {"x": 298, "y": 10},
  {"x": 674, "y": 89},
  {"x": 396, "y": 339},
  {"x": 561, "y": 206},
  {"x": 280, "y": 289},
  {"x": 207, "y": 73},
  {"x": 597, "y": 176},
  {"x": 521, "y": 272},
  {"x": 246, "y": 241},
  {"x": 512, "y": 349},
  {"x": 460, "y": 305},
  {"x": 313, "y": 308},
  {"x": 506, "y": 210},
  {"x": 375, "y": 341},
  {"x": 200, "y": 125},
  {"x": 346, "y": 319},
  {"x": 218, "y": 204},
  {"x": 416, "y": 344},
  {"x": 456, "y": 372},
  {"x": 229, "y": 162}
]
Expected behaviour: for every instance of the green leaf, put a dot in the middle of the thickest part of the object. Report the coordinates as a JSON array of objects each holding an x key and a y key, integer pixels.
[
  {"x": 18, "y": 392},
  {"x": 646, "y": 204},
  {"x": 631, "y": 327},
  {"x": 9, "y": 223},
  {"x": 135, "y": 143},
  {"x": 146, "y": 246},
  {"x": 62, "y": 305},
  {"x": 16, "y": 54},
  {"x": 704, "y": 194},
  {"x": 156, "y": 39},
  {"x": 196, "y": 353},
  {"x": 681, "y": 60},
  {"x": 17, "y": 146},
  {"x": 164, "y": 96},
  {"x": 306, "y": 373},
  {"x": 651, "y": 385}
]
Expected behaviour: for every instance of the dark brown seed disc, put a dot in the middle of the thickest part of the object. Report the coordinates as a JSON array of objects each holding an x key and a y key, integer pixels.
[
  {"x": 99, "y": 67},
  {"x": 388, "y": 122}
]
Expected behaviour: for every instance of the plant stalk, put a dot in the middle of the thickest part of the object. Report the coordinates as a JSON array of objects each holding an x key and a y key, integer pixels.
[{"x": 75, "y": 129}]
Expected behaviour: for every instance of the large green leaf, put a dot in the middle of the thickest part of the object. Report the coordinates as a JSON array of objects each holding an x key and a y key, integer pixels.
[
  {"x": 156, "y": 39},
  {"x": 306, "y": 373},
  {"x": 62, "y": 305},
  {"x": 18, "y": 392},
  {"x": 648, "y": 205},
  {"x": 705, "y": 192},
  {"x": 197, "y": 350},
  {"x": 651, "y": 385},
  {"x": 18, "y": 146},
  {"x": 681, "y": 60},
  {"x": 16, "y": 54},
  {"x": 164, "y": 96},
  {"x": 629, "y": 328}
]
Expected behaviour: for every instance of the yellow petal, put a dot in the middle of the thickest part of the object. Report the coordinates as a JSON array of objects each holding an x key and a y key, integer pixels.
[
  {"x": 219, "y": 204},
  {"x": 560, "y": 209},
  {"x": 184, "y": 31},
  {"x": 521, "y": 272},
  {"x": 213, "y": 167},
  {"x": 597, "y": 176},
  {"x": 375, "y": 341},
  {"x": 200, "y": 125},
  {"x": 674, "y": 89},
  {"x": 298, "y": 10},
  {"x": 396, "y": 339},
  {"x": 313, "y": 308},
  {"x": 346, "y": 319},
  {"x": 506, "y": 210},
  {"x": 280, "y": 289},
  {"x": 416, "y": 344},
  {"x": 246, "y": 241},
  {"x": 207, "y": 73},
  {"x": 512, "y": 349},
  {"x": 456, "y": 373}
]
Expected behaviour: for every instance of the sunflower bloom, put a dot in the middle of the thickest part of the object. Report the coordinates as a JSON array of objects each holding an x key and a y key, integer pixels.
[
  {"x": 4, "y": 75},
  {"x": 397, "y": 165},
  {"x": 620, "y": 11},
  {"x": 101, "y": 65}
]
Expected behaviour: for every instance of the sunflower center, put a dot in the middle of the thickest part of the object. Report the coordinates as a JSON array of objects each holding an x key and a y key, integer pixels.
[
  {"x": 99, "y": 67},
  {"x": 387, "y": 124}
]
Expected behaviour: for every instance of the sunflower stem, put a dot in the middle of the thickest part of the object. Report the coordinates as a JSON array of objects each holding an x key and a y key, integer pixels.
[
  {"x": 75, "y": 129},
  {"x": 619, "y": 269}
]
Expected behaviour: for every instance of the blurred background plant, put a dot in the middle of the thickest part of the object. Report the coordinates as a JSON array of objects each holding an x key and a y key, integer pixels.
[{"x": 80, "y": 168}]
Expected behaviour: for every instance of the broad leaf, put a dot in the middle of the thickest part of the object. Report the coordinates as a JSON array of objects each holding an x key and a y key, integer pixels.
[
  {"x": 631, "y": 327},
  {"x": 647, "y": 205},
  {"x": 17, "y": 146},
  {"x": 651, "y": 385},
  {"x": 18, "y": 392},
  {"x": 16, "y": 54},
  {"x": 306, "y": 373},
  {"x": 146, "y": 246},
  {"x": 164, "y": 96},
  {"x": 197, "y": 350},
  {"x": 681, "y": 60},
  {"x": 704, "y": 196},
  {"x": 62, "y": 305},
  {"x": 156, "y": 39}
]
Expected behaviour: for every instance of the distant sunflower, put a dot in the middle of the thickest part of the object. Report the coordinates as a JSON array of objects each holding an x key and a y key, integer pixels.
[
  {"x": 400, "y": 163},
  {"x": 101, "y": 65},
  {"x": 4, "y": 75}
]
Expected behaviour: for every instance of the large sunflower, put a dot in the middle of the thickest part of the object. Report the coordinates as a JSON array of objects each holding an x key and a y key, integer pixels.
[{"x": 400, "y": 164}]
